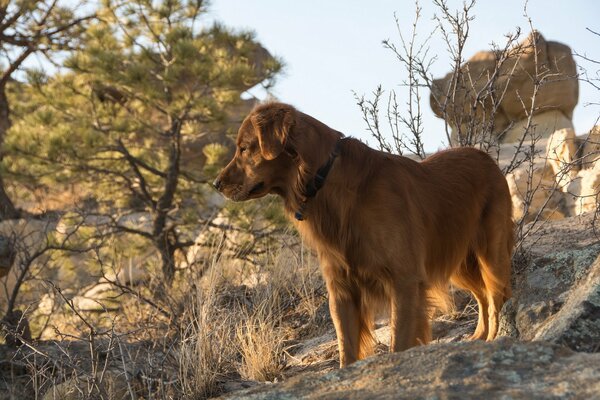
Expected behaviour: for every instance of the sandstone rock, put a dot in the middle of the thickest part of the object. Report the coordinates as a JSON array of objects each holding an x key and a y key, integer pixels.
[
  {"x": 219, "y": 236},
  {"x": 561, "y": 152},
  {"x": 477, "y": 370},
  {"x": 141, "y": 220},
  {"x": 46, "y": 304},
  {"x": 507, "y": 152},
  {"x": 535, "y": 195},
  {"x": 70, "y": 223},
  {"x": 585, "y": 188},
  {"x": 101, "y": 297},
  {"x": 560, "y": 163},
  {"x": 555, "y": 66},
  {"x": 208, "y": 238},
  {"x": 590, "y": 151},
  {"x": 542, "y": 125},
  {"x": 559, "y": 90}
]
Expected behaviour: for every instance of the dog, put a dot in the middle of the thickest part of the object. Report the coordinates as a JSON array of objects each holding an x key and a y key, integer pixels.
[{"x": 389, "y": 232}]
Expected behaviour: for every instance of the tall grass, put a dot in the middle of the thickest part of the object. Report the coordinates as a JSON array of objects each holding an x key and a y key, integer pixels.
[
  {"x": 205, "y": 353},
  {"x": 240, "y": 320}
]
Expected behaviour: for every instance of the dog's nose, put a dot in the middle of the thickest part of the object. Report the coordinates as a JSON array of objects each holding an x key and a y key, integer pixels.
[{"x": 217, "y": 184}]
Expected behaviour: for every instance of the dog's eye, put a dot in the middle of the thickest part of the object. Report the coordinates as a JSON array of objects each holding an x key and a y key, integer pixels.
[{"x": 242, "y": 149}]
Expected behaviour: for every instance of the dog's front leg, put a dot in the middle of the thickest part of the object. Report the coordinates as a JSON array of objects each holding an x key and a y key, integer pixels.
[{"x": 345, "y": 315}]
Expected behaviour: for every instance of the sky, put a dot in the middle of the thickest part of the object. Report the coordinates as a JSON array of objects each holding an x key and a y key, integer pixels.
[{"x": 333, "y": 49}]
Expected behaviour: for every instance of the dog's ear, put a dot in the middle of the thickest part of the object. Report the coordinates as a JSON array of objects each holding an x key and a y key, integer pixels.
[{"x": 273, "y": 124}]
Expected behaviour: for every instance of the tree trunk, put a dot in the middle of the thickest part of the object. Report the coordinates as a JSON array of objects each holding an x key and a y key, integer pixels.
[
  {"x": 167, "y": 257},
  {"x": 7, "y": 208},
  {"x": 164, "y": 238}
]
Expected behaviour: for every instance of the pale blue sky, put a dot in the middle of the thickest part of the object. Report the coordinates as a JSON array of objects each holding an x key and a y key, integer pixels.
[{"x": 332, "y": 48}]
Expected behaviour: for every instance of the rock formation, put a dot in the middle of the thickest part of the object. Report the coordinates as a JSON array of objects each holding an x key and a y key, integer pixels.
[
  {"x": 564, "y": 179},
  {"x": 472, "y": 370},
  {"x": 556, "y": 286},
  {"x": 495, "y": 90}
]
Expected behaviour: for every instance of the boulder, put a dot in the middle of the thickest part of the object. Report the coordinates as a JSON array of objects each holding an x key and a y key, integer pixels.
[
  {"x": 566, "y": 173},
  {"x": 584, "y": 189},
  {"x": 552, "y": 187},
  {"x": 590, "y": 148},
  {"x": 535, "y": 195},
  {"x": 140, "y": 220},
  {"x": 556, "y": 286},
  {"x": 72, "y": 223},
  {"x": 474, "y": 90},
  {"x": 100, "y": 298},
  {"x": 556, "y": 68},
  {"x": 542, "y": 125},
  {"x": 477, "y": 370},
  {"x": 224, "y": 236}
]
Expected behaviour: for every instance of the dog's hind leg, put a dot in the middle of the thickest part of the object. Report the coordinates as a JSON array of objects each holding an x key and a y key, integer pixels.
[
  {"x": 468, "y": 276},
  {"x": 495, "y": 270},
  {"x": 495, "y": 265}
]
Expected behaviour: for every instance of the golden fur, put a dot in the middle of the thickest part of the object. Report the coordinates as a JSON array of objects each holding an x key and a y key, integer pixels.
[{"x": 387, "y": 229}]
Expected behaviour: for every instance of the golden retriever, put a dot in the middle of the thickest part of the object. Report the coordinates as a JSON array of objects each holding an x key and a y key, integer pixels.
[{"x": 387, "y": 230}]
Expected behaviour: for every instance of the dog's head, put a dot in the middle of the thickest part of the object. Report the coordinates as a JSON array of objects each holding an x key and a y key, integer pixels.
[{"x": 262, "y": 164}]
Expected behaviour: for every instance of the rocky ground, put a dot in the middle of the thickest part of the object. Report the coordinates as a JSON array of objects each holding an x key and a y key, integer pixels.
[
  {"x": 506, "y": 368},
  {"x": 551, "y": 330}
]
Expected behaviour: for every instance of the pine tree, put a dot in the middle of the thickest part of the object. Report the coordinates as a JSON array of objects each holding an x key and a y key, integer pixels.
[
  {"x": 28, "y": 27},
  {"x": 148, "y": 77}
]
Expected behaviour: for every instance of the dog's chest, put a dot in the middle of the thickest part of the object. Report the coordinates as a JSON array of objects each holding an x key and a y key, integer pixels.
[
  {"x": 331, "y": 246},
  {"x": 322, "y": 234}
]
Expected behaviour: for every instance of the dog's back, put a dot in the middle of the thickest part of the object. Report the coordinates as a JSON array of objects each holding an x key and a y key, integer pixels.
[{"x": 468, "y": 198}]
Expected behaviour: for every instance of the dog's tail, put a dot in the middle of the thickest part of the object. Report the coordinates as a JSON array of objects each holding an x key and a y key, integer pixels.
[{"x": 439, "y": 299}]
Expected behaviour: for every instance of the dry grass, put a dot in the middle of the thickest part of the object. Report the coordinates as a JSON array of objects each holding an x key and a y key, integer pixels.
[
  {"x": 205, "y": 352},
  {"x": 260, "y": 342}
]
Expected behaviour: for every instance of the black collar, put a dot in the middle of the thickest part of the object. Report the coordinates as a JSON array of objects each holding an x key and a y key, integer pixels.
[{"x": 317, "y": 182}]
